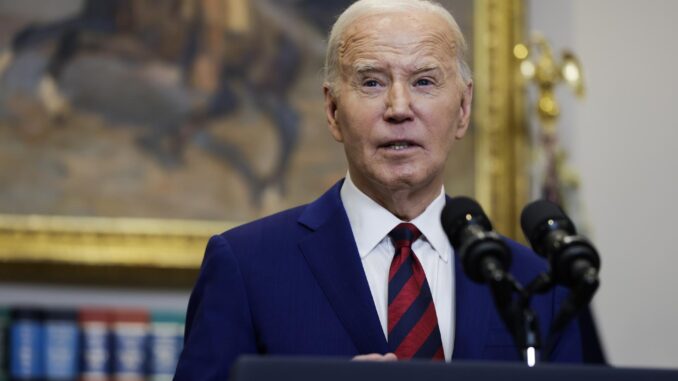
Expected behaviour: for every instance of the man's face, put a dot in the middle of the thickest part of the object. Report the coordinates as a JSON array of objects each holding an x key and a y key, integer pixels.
[{"x": 399, "y": 102}]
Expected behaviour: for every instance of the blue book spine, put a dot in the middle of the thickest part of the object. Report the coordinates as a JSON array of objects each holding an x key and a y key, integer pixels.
[
  {"x": 129, "y": 341},
  {"x": 25, "y": 346},
  {"x": 61, "y": 349}
]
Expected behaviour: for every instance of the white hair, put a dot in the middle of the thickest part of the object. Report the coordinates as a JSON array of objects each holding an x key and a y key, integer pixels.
[{"x": 363, "y": 8}]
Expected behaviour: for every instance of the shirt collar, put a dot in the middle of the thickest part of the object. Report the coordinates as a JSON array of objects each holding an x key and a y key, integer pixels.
[{"x": 370, "y": 222}]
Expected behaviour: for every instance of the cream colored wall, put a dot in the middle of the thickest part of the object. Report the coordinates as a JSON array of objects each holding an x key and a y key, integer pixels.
[{"x": 623, "y": 140}]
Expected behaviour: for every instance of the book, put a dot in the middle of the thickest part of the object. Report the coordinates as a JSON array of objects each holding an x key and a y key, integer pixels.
[
  {"x": 25, "y": 344},
  {"x": 89, "y": 344},
  {"x": 95, "y": 354},
  {"x": 165, "y": 343},
  {"x": 61, "y": 346},
  {"x": 129, "y": 331}
]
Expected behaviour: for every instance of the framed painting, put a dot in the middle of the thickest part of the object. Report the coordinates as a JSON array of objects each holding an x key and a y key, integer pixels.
[{"x": 131, "y": 131}]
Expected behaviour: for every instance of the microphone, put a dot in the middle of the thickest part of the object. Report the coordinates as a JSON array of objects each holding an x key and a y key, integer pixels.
[
  {"x": 485, "y": 258},
  {"x": 574, "y": 261},
  {"x": 484, "y": 255}
]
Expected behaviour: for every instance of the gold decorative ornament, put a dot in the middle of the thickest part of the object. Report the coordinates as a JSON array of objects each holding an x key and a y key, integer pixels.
[
  {"x": 538, "y": 66},
  {"x": 546, "y": 74}
]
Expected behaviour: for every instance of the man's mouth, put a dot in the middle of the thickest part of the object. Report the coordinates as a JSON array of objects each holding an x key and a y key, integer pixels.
[{"x": 398, "y": 145}]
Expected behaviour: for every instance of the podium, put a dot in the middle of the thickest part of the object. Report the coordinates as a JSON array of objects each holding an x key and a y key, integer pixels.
[{"x": 332, "y": 369}]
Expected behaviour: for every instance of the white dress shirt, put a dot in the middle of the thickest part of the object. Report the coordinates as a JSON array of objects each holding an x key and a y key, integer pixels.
[{"x": 371, "y": 223}]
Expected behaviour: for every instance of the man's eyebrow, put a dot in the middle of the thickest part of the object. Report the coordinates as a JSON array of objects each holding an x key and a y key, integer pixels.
[
  {"x": 365, "y": 67},
  {"x": 424, "y": 68}
]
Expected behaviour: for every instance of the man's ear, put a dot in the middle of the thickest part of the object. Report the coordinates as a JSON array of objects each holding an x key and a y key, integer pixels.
[
  {"x": 331, "y": 113},
  {"x": 464, "y": 110}
]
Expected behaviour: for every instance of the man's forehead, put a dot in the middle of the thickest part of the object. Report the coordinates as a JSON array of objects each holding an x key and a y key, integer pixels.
[{"x": 420, "y": 33}]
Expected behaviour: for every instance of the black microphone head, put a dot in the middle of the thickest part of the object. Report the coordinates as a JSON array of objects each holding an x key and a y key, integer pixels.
[
  {"x": 553, "y": 235},
  {"x": 541, "y": 216},
  {"x": 470, "y": 233},
  {"x": 460, "y": 212}
]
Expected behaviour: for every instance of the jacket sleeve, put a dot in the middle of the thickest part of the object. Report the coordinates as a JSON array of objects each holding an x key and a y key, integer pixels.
[{"x": 218, "y": 322}]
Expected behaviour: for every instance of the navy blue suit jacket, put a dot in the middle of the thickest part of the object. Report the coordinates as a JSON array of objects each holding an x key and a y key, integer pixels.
[{"x": 293, "y": 284}]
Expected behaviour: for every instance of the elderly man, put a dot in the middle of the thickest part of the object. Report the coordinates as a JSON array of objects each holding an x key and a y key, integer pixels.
[{"x": 366, "y": 269}]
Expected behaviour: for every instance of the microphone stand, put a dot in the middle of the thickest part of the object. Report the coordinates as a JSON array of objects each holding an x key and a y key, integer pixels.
[
  {"x": 580, "y": 296},
  {"x": 520, "y": 319}
]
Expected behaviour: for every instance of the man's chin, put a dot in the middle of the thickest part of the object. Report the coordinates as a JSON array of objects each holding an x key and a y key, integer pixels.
[
  {"x": 390, "y": 178},
  {"x": 405, "y": 182}
]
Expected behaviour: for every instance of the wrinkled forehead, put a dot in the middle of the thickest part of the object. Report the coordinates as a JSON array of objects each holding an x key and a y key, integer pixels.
[{"x": 415, "y": 36}]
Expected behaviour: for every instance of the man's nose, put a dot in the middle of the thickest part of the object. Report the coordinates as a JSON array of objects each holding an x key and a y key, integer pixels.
[{"x": 398, "y": 104}]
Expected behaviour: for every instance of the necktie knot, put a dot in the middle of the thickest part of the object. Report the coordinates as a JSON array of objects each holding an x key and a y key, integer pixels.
[{"x": 404, "y": 235}]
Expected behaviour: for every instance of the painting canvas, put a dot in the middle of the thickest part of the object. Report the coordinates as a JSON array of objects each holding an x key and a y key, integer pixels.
[{"x": 181, "y": 109}]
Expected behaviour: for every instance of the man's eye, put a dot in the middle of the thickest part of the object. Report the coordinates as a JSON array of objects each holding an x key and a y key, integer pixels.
[
  {"x": 371, "y": 83},
  {"x": 423, "y": 82}
]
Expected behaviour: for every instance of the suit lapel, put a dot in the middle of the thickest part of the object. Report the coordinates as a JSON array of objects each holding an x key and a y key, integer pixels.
[
  {"x": 332, "y": 255},
  {"x": 472, "y": 306}
]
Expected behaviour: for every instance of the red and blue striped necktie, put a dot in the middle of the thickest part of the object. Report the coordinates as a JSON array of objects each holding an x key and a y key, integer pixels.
[{"x": 412, "y": 322}]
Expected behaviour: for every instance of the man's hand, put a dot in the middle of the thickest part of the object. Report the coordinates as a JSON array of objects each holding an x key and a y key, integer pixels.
[{"x": 376, "y": 357}]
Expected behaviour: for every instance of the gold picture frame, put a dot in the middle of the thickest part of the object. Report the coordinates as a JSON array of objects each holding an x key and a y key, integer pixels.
[{"x": 167, "y": 253}]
